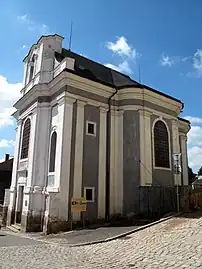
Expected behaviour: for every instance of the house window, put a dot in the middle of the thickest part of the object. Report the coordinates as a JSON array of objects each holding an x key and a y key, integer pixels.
[
  {"x": 89, "y": 194},
  {"x": 161, "y": 145},
  {"x": 25, "y": 139},
  {"x": 52, "y": 152},
  {"x": 91, "y": 128}
]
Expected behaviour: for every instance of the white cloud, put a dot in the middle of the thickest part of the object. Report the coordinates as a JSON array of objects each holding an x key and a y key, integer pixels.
[
  {"x": 197, "y": 59},
  {"x": 171, "y": 60},
  {"x": 34, "y": 26},
  {"x": 122, "y": 48},
  {"x": 195, "y": 157},
  {"x": 195, "y": 136},
  {"x": 197, "y": 64},
  {"x": 195, "y": 143},
  {"x": 166, "y": 60},
  {"x": 122, "y": 67},
  {"x": 7, "y": 143},
  {"x": 193, "y": 119},
  {"x": 9, "y": 93}
]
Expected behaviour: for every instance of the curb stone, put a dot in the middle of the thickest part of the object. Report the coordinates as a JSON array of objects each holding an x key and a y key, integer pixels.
[{"x": 126, "y": 233}]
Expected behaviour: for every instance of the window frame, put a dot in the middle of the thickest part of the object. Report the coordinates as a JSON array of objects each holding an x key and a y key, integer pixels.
[
  {"x": 93, "y": 194},
  {"x": 21, "y": 143},
  {"x": 169, "y": 146},
  {"x": 32, "y": 66},
  {"x": 95, "y": 128},
  {"x": 50, "y": 144}
]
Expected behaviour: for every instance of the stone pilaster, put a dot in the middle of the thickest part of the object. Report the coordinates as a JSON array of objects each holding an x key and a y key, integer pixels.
[
  {"x": 102, "y": 164},
  {"x": 184, "y": 159},
  {"x": 78, "y": 159},
  {"x": 176, "y": 147},
  {"x": 145, "y": 148},
  {"x": 116, "y": 163}
]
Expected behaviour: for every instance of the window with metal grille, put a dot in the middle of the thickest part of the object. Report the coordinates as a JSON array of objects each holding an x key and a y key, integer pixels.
[
  {"x": 25, "y": 139},
  {"x": 52, "y": 152},
  {"x": 161, "y": 145},
  {"x": 89, "y": 194}
]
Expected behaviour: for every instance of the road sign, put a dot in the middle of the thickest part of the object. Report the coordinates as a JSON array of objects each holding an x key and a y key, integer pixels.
[{"x": 78, "y": 204}]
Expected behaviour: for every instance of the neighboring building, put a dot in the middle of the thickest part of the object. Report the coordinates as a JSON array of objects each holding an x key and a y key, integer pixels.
[
  {"x": 87, "y": 130},
  {"x": 5, "y": 176},
  {"x": 197, "y": 184}
]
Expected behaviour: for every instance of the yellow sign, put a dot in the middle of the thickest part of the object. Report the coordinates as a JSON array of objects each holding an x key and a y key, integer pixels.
[{"x": 78, "y": 204}]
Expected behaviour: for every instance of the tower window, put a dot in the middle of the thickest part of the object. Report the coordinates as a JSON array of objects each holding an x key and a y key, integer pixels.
[{"x": 31, "y": 68}]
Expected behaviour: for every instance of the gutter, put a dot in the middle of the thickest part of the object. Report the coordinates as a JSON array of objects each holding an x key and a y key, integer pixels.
[{"x": 108, "y": 144}]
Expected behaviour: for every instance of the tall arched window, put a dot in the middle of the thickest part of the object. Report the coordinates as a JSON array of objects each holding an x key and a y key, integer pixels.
[
  {"x": 52, "y": 152},
  {"x": 161, "y": 145},
  {"x": 31, "y": 68},
  {"x": 25, "y": 139}
]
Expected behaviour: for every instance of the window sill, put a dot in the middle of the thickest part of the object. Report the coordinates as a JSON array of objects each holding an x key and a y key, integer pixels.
[
  {"x": 23, "y": 160},
  {"x": 91, "y": 134},
  {"x": 162, "y": 168},
  {"x": 52, "y": 189}
]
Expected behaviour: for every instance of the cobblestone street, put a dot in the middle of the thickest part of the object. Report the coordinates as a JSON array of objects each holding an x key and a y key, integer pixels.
[{"x": 176, "y": 243}]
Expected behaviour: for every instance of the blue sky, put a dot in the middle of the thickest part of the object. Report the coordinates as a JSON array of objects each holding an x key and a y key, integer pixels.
[{"x": 162, "y": 37}]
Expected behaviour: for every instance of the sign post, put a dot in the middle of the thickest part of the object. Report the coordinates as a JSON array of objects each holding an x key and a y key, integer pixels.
[
  {"x": 78, "y": 205},
  {"x": 177, "y": 171}
]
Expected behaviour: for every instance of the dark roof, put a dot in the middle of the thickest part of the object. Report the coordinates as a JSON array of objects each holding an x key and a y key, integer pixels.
[
  {"x": 87, "y": 68},
  {"x": 182, "y": 119},
  {"x": 6, "y": 165},
  {"x": 96, "y": 71}
]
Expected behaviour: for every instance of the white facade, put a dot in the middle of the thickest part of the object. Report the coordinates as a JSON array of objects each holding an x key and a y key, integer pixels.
[{"x": 61, "y": 105}]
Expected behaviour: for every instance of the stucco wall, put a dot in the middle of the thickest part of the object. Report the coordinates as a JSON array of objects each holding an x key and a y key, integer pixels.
[{"x": 91, "y": 159}]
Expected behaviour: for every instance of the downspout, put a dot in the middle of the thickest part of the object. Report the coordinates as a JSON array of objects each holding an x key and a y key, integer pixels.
[{"x": 108, "y": 144}]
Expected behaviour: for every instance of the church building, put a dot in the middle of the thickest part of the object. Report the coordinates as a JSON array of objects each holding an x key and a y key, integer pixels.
[{"x": 85, "y": 130}]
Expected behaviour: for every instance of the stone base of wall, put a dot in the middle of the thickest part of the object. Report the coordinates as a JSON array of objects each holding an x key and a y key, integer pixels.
[
  {"x": 4, "y": 215},
  {"x": 55, "y": 225},
  {"x": 31, "y": 223},
  {"x": 10, "y": 217}
]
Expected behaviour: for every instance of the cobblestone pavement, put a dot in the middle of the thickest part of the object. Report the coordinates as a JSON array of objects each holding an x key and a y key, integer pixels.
[{"x": 176, "y": 243}]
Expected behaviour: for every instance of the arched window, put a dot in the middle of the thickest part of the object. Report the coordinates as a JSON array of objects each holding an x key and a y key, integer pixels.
[
  {"x": 25, "y": 139},
  {"x": 31, "y": 68},
  {"x": 52, "y": 152},
  {"x": 161, "y": 145}
]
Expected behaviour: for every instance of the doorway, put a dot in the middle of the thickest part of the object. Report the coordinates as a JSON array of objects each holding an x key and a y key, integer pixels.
[{"x": 19, "y": 204}]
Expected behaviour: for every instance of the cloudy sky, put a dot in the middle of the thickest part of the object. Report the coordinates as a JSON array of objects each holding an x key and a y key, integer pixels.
[{"x": 163, "y": 38}]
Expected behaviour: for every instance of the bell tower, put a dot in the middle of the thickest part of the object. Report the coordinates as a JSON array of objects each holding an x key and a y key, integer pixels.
[{"x": 39, "y": 63}]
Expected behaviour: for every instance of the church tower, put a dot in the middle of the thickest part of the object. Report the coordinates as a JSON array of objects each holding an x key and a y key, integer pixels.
[{"x": 40, "y": 61}]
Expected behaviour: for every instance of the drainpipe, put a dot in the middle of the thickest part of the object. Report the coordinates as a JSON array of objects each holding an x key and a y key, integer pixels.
[{"x": 108, "y": 144}]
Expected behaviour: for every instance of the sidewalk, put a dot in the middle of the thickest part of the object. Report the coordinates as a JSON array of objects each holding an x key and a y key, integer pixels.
[{"x": 88, "y": 236}]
